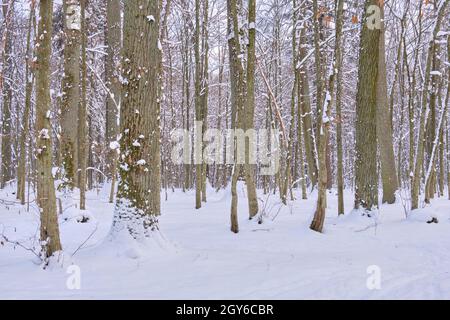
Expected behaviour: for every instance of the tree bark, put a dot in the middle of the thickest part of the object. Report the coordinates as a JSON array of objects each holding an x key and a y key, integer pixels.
[
  {"x": 112, "y": 69},
  {"x": 339, "y": 93},
  {"x": 305, "y": 101},
  {"x": 366, "y": 170},
  {"x": 5, "y": 86},
  {"x": 250, "y": 108},
  {"x": 138, "y": 196},
  {"x": 82, "y": 132},
  {"x": 29, "y": 79},
  {"x": 424, "y": 111},
  {"x": 384, "y": 125},
  {"x": 71, "y": 92},
  {"x": 46, "y": 199},
  {"x": 237, "y": 99},
  {"x": 319, "y": 215}
]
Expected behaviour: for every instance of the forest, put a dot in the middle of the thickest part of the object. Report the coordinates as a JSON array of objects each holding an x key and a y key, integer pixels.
[{"x": 224, "y": 149}]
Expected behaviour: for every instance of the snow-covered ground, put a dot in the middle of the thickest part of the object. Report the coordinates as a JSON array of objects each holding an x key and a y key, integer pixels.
[{"x": 201, "y": 259}]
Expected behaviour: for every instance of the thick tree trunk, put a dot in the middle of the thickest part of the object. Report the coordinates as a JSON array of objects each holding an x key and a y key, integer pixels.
[
  {"x": 366, "y": 170},
  {"x": 46, "y": 199},
  {"x": 71, "y": 92},
  {"x": 138, "y": 197}
]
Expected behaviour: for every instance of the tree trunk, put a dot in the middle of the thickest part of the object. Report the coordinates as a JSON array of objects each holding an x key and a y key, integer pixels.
[
  {"x": 424, "y": 112},
  {"x": 339, "y": 93},
  {"x": 82, "y": 132},
  {"x": 71, "y": 92},
  {"x": 305, "y": 102},
  {"x": 237, "y": 99},
  {"x": 46, "y": 199},
  {"x": 319, "y": 216},
  {"x": 250, "y": 108},
  {"x": 29, "y": 79},
  {"x": 318, "y": 60},
  {"x": 300, "y": 135},
  {"x": 113, "y": 47},
  {"x": 205, "y": 88},
  {"x": 5, "y": 86},
  {"x": 138, "y": 196},
  {"x": 366, "y": 170},
  {"x": 384, "y": 125},
  {"x": 198, "y": 111}
]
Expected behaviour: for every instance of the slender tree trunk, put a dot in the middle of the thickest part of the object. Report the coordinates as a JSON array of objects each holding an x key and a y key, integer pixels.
[
  {"x": 83, "y": 108},
  {"x": 319, "y": 216},
  {"x": 46, "y": 199},
  {"x": 198, "y": 111},
  {"x": 305, "y": 102},
  {"x": 339, "y": 93},
  {"x": 300, "y": 139},
  {"x": 237, "y": 100},
  {"x": 187, "y": 166},
  {"x": 250, "y": 108},
  {"x": 424, "y": 112},
  {"x": 441, "y": 159},
  {"x": 439, "y": 142},
  {"x": 429, "y": 175},
  {"x": 384, "y": 125},
  {"x": 205, "y": 88},
  {"x": 447, "y": 132},
  {"x": 430, "y": 131},
  {"x": 412, "y": 95},
  {"x": 288, "y": 173},
  {"x": 5, "y": 87},
  {"x": 113, "y": 47},
  {"x": 29, "y": 79},
  {"x": 318, "y": 60}
]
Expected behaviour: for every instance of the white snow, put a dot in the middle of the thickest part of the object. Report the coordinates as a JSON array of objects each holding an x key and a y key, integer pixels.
[
  {"x": 197, "y": 257},
  {"x": 44, "y": 134},
  {"x": 435, "y": 73},
  {"x": 73, "y": 15},
  {"x": 136, "y": 143},
  {"x": 114, "y": 145}
]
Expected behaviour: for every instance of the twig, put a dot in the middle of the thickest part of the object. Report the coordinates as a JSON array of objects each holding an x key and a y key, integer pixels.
[
  {"x": 87, "y": 239},
  {"x": 16, "y": 243}
]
